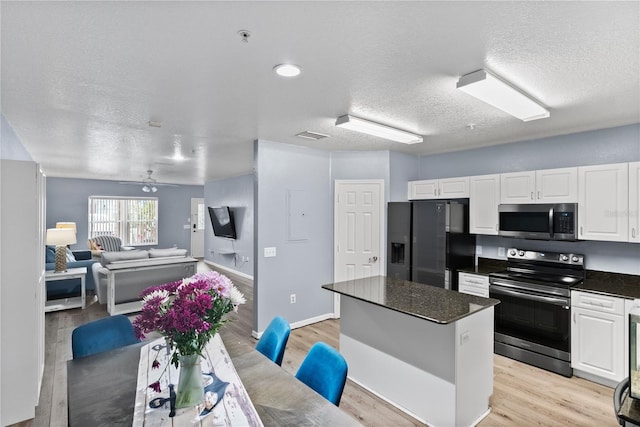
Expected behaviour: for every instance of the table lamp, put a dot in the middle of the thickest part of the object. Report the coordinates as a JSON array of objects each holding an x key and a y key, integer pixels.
[
  {"x": 67, "y": 225},
  {"x": 61, "y": 237}
]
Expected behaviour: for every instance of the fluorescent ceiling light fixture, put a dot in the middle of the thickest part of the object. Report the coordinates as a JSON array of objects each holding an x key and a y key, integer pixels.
[
  {"x": 287, "y": 70},
  {"x": 376, "y": 129},
  {"x": 492, "y": 90}
]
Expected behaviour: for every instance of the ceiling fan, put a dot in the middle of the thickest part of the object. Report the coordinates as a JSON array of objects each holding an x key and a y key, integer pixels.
[{"x": 149, "y": 185}]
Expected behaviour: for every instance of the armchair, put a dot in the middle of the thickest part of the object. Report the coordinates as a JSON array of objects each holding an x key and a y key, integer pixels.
[{"x": 99, "y": 244}]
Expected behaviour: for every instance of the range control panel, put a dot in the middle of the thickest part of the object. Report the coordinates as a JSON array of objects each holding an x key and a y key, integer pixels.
[{"x": 552, "y": 257}]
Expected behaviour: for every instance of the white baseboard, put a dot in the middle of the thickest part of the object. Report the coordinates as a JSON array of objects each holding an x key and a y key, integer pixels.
[
  {"x": 230, "y": 270},
  {"x": 300, "y": 323}
]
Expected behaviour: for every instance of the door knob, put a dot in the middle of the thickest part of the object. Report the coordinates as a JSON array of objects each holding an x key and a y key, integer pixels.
[{"x": 373, "y": 259}]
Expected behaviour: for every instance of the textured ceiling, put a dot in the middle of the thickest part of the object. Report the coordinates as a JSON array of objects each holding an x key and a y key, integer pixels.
[{"x": 81, "y": 80}]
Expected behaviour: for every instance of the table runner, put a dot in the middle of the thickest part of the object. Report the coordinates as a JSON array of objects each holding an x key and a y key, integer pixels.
[{"x": 232, "y": 408}]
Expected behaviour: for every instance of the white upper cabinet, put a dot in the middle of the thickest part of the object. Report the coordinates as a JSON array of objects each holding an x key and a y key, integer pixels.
[
  {"x": 603, "y": 202},
  {"x": 542, "y": 186},
  {"x": 634, "y": 202},
  {"x": 484, "y": 197},
  {"x": 445, "y": 188},
  {"x": 557, "y": 185},
  {"x": 518, "y": 187}
]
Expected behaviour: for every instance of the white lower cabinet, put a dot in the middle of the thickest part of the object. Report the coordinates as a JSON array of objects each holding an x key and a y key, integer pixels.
[
  {"x": 473, "y": 284},
  {"x": 599, "y": 337}
]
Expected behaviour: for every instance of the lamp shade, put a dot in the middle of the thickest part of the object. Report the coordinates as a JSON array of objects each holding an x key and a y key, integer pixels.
[
  {"x": 61, "y": 236},
  {"x": 67, "y": 225}
]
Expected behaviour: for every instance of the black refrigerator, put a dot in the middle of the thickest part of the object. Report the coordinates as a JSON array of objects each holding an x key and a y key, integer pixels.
[{"x": 429, "y": 241}]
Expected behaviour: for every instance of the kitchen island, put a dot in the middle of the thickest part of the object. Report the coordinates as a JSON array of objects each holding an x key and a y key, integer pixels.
[{"x": 426, "y": 350}]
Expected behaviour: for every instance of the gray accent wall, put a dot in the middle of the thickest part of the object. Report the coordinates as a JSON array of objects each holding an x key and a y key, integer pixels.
[
  {"x": 613, "y": 145},
  {"x": 237, "y": 193},
  {"x": 292, "y": 180},
  {"x": 402, "y": 169},
  {"x": 68, "y": 200},
  {"x": 10, "y": 146}
]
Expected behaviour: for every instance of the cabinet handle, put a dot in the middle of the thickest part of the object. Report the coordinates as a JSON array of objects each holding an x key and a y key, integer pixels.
[
  {"x": 581, "y": 230},
  {"x": 633, "y": 233},
  {"x": 532, "y": 195},
  {"x": 574, "y": 317},
  {"x": 538, "y": 195}
]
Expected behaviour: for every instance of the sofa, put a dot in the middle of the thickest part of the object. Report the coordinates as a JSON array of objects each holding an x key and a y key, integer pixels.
[
  {"x": 75, "y": 259},
  {"x": 122, "y": 276}
]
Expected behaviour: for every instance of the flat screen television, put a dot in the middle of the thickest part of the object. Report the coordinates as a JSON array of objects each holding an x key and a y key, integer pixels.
[{"x": 222, "y": 222}]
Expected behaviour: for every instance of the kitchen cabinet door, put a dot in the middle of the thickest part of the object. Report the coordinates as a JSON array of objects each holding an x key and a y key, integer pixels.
[
  {"x": 425, "y": 189},
  {"x": 599, "y": 337},
  {"x": 453, "y": 188},
  {"x": 484, "y": 197},
  {"x": 603, "y": 202},
  {"x": 557, "y": 185},
  {"x": 634, "y": 202},
  {"x": 518, "y": 187}
]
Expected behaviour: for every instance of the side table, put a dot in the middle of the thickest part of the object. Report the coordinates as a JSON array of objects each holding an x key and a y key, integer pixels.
[{"x": 71, "y": 302}]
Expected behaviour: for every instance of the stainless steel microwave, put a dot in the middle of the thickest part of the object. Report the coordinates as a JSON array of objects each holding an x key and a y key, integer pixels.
[{"x": 541, "y": 222}]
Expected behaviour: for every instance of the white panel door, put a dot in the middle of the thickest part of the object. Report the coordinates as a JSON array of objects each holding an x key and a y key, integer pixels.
[
  {"x": 358, "y": 219},
  {"x": 197, "y": 227}
]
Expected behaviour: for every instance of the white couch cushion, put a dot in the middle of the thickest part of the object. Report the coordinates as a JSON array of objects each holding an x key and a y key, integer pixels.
[
  {"x": 107, "y": 258},
  {"x": 156, "y": 253}
]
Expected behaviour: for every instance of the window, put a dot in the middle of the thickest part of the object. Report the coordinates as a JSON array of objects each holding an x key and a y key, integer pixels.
[{"x": 134, "y": 220}]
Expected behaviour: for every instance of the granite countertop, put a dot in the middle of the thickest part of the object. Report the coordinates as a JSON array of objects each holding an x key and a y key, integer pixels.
[
  {"x": 427, "y": 302},
  {"x": 614, "y": 284},
  {"x": 486, "y": 266}
]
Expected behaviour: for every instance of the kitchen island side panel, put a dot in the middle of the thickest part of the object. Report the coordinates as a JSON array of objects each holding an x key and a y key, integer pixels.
[{"x": 415, "y": 364}]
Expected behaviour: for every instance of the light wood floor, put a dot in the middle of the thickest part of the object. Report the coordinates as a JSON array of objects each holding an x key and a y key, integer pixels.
[{"x": 523, "y": 395}]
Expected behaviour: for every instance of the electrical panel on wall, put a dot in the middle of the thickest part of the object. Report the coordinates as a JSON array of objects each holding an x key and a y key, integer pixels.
[{"x": 297, "y": 215}]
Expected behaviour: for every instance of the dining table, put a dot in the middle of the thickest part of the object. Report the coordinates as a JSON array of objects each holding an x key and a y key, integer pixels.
[{"x": 101, "y": 389}]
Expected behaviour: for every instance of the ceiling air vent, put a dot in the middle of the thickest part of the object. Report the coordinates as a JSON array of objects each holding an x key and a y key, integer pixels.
[{"x": 311, "y": 135}]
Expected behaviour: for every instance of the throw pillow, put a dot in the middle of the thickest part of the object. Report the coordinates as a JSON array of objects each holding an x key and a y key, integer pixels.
[
  {"x": 70, "y": 256},
  {"x": 50, "y": 254}
]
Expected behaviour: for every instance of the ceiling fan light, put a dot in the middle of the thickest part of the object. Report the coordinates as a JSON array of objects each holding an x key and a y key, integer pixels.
[
  {"x": 146, "y": 188},
  {"x": 154, "y": 189}
]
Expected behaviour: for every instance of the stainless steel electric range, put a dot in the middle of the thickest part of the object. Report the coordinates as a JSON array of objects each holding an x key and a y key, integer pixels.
[{"x": 533, "y": 320}]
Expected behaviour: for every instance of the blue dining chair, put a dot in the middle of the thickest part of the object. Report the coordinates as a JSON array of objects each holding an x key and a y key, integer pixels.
[
  {"x": 274, "y": 339},
  {"x": 102, "y": 335},
  {"x": 324, "y": 370}
]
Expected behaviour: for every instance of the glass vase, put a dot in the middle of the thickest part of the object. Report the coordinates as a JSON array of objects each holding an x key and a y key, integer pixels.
[{"x": 190, "y": 390}]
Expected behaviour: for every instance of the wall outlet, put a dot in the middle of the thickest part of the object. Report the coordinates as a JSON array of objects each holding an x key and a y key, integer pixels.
[
  {"x": 245, "y": 259},
  {"x": 292, "y": 298},
  {"x": 269, "y": 252}
]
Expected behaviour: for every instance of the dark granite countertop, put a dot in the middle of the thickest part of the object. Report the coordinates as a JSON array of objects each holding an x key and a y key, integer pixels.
[
  {"x": 486, "y": 266},
  {"x": 415, "y": 299},
  {"x": 614, "y": 284}
]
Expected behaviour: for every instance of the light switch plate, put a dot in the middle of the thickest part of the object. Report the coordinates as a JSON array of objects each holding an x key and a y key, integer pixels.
[{"x": 269, "y": 252}]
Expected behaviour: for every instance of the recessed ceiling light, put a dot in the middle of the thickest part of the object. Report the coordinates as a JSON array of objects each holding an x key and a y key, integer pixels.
[
  {"x": 287, "y": 70},
  {"x": 307, "y": 134}
]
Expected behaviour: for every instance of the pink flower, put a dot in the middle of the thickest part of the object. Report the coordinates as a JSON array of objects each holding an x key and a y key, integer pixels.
[
  {"x": 155, "y": 386},
  {"x": 155, "y": 364}
]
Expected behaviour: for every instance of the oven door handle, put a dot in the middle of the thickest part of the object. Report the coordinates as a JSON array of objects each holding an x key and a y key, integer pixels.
[{"x": 525, "y": 295}]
